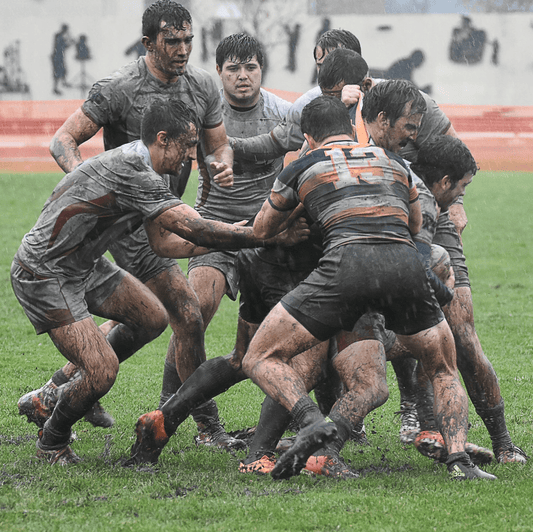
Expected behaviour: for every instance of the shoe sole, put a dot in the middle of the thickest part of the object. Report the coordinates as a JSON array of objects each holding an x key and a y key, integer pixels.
[{"x": 308, "y": 441}]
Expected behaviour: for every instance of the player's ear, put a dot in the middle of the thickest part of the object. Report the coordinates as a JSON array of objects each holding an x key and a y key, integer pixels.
[
  {"x": 147, "y": 43},
  {"x": 162, "y": 138},
  {"x": 219, "y": 70},
  {"x": 311, "y": 141}
]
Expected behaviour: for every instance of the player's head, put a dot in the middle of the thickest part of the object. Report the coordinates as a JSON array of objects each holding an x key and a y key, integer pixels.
[
  {"x": 239, "y": 48},
  {"x": 323, "y": 117},
  {"x": 239, "y": 60},
  {"x": 164, "y": 13},
  {"x": 170, "y": 129},
  {"x": 172, "y": 116},
  {"x": 167, "y": 37},
  {"x": 343, "y": 67},
  {"x": 392, "y": 112},
  {"x": 446, "y": 166},
  {"x": 331, "y": 40}
]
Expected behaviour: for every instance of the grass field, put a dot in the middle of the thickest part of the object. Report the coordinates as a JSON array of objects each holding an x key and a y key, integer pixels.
[{"x": 200, "y": 489}]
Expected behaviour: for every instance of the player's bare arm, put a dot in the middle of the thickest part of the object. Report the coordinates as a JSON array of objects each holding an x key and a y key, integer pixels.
[
  {"x": 167, "y": 244},
  {"x": 189, "y": 225},
  {"x": 64, "y": 146},
  {"x": 217, "y": 146},
  {"x": 273, "y": 215}
]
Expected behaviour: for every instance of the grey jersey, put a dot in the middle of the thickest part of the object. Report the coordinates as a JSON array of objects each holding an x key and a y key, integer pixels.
[
  {"x": 252, "y": 180},
  {"x": 103, "y": 199},
  {"x": 117, "y": 102},
  {"x": 285, "y": 137},
  {"x": 288, "y": 135},
  {"x": 430, "y": 212}
]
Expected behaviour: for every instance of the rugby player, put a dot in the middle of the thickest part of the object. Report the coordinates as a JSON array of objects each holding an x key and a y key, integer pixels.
[
  {"x": 116, "y": 104},
  {"x": 56, "y": 269}
]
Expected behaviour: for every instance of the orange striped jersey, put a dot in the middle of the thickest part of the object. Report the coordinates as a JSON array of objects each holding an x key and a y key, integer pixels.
[{"x": 356, "y": 193}]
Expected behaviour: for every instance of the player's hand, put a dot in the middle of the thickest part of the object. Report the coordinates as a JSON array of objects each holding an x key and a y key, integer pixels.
[
  {"x": 351, "y": 94},
  {"x": 458, "y": 217},
  {"x": 222, "y": 174},
  {"x": 298, "y": 232}
]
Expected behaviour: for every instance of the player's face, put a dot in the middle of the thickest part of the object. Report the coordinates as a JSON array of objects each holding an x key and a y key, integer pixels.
[
  {"x": 446, "y": 195},
  {"x": 171, "y": 50},
  {"x": 336, "y": 91},
  {"x": 180, "y": 151},
  {"x": 404, "y": 129},
  {"x": 241, "y": 81}
]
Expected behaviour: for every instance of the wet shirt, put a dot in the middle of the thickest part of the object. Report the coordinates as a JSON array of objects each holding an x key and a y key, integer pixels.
[
  {"x": 252, "y": 180},
  {"x": 355, "y": 193},
  {"x": 117, "y": 102},
  {"x": 103, "y": 199},
  {"x": 430, "y": 212}
]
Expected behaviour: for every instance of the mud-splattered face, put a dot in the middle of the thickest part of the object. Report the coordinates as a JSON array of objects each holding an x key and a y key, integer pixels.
[
  {"x": 171, "y": 50},
  {"x": 241, "y": 81},
  {"x": 404, "y": 129},
  {"x": 445, "y": 193},
  {"x": 179, "y": 151}
]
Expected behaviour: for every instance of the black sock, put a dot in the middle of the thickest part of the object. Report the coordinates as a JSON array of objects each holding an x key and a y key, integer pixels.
[
  {"x": 171, "y": 383},
  {"x": 56, "y": 433},
  {"x": 494, "y": 419},
  {"x": 209, "y": 380},
  {"x": 305, "y": 412},
  {"x": 59, "y": 378},
  {"x": 273, "y": 422}
]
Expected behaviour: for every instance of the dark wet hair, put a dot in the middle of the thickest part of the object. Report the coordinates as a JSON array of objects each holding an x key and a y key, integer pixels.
[
  {"x": 239, "y": 47},
  {"x": 444, "y": 155},
  {"x": 342, "y": 65},
  {"x": 391, "y": 97},
  {"x": 171, "y": 12},
  {"x": 324, "y": 117},
  {"x": 337, "y": 38},
  {"x": 170, "y": 115}
]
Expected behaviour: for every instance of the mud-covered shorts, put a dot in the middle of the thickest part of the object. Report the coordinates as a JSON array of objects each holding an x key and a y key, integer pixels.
[
  {"x": 447, "y": 237},
  {"x": 263, "y": 284},
  {"x": 57, "y": 301},
  {"x": 134, "y": 254},
  {"x": 357, "y": 278},
  {"x": 224, "y": 261}
]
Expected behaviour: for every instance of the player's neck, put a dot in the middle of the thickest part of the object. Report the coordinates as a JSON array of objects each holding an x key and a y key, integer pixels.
[{"x": 164, "y": 77}]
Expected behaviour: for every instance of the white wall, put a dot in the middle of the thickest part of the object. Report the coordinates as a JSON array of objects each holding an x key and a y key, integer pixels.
[{"x": 113, "y": 25}]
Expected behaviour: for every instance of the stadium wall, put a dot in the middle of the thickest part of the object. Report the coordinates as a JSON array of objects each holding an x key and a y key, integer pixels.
[
  {"x": 499, "y": 70},
  {"x": 501, "y": 138}
]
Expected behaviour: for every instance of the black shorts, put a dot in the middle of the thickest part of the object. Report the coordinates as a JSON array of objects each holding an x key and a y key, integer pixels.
[
  {"x": 263, "y": 284},
  {"x": 447, "y": 237},
  {"x": 357, "y": 278}
]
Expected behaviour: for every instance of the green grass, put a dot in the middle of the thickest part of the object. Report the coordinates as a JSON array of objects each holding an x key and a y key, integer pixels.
[{"x": 199, "y": 489}]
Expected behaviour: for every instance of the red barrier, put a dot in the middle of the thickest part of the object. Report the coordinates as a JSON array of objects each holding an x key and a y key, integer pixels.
[{"x": 501, "y": 138}]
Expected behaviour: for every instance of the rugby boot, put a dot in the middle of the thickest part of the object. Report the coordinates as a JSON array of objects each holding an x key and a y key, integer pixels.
[
  {"x": 38, "y": 405},
  {"x": 151, "y": 439},
  {"x": 309, "y": 440},
  {"x": 210, "y": 429},
  {"x": 330, "y": 465},
  {"x": 62, "y": 456},
  {"x": 512, "y": 454},
  {"x": 431, "y": 444},
  {"x": 98, "y": 417},
  {"x": 285, "y": 444},
  {"x": 460, "y": 467},
  {"x": 263, "y": 464},
  {"x": 409, "y": 425}
]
